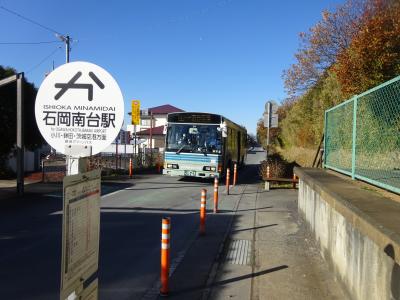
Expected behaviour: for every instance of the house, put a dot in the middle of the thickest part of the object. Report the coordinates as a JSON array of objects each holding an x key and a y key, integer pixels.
[{"x": 150, "y": 132}]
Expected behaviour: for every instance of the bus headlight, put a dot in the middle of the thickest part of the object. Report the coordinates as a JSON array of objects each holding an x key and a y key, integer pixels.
[
  {"x": 209, "y": 168},
  {"x": 172, "y": 166}
]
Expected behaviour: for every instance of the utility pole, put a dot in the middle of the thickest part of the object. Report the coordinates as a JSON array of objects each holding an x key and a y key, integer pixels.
[
  {"x": 67, "y": 40},
  {"x": 67, "y": 48}
]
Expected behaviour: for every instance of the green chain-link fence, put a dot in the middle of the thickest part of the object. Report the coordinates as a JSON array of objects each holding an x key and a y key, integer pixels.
[{"x": 362, "y": 136}]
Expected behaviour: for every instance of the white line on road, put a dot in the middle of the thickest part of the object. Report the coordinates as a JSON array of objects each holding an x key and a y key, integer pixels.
[
  {"x": 60, "y": 196},
  {"x": 54, "y": 196},
  {"x": 113, "y": 193}
]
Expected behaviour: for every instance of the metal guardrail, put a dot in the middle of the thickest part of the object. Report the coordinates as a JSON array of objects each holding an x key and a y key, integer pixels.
[
  {"x": 362, "y": 136},
  {"x": 121, "y": 161},
  {"x": 54, "y": 169}
]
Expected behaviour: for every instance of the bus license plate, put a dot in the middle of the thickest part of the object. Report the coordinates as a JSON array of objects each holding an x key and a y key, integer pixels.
[{"x": 190, "y": 173}]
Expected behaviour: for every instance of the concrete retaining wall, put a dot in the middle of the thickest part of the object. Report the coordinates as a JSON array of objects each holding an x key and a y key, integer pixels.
[{"x": 359, "y": 253}]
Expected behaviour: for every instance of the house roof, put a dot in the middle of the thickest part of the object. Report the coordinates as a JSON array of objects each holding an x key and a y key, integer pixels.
[
  {"x": 159, "y": 130},
  {"x": 164, "y": 109}
]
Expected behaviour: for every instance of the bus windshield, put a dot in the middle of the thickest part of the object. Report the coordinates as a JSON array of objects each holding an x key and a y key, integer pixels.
[{"x": 194, "y": 138}]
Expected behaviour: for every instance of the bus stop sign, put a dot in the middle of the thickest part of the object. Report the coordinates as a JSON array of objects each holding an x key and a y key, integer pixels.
[{"x": 79, "y": 104}]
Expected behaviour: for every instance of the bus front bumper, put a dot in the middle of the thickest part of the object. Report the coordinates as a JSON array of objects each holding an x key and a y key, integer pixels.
[{"x": 191, "y": 173}]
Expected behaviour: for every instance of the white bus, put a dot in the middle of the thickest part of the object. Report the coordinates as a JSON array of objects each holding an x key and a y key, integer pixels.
[{"x": 202, "y": 145}]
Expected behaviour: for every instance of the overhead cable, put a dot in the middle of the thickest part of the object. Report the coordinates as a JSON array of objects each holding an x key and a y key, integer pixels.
[
  {"x": 29, "y": 43},
  {"x": 29, "y": 20},
  {"x": 43, "y": 60}
]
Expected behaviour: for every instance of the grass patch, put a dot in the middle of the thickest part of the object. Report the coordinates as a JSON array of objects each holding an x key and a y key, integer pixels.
[{"x": 303, "y": 157}]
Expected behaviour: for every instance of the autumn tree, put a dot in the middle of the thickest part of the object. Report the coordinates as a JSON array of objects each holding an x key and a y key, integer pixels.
[
  {"x": 320, "y": 46},
  {"x": 349, "y": 51},
  {"x": 373, "y": 56}
]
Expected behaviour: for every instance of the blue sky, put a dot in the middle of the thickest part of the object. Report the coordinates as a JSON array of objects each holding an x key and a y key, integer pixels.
[{"x": 216, "y": 56}]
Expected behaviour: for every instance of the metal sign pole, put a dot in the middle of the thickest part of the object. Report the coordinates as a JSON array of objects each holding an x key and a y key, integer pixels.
[
  {"x": 20, "y": 134},
  {"x": 268, "y": 125},
  {"x": 125, "y": 138},
  {"x": 151, "y": 138},
  {"x": 116, "y": 153},
  {"x": 270, "y": 119},
  {"x": 77, "y": 165},
  {"x": 134, "y": 143}
]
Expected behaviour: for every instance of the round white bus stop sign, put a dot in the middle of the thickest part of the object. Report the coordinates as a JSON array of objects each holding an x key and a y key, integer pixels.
[{"x": 79, "y": 104}]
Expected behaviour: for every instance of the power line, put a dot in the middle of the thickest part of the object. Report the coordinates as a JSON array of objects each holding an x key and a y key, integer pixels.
[
  {"x": 29, "y": 20},
  {"x": 43, "y": 60},
  {"x": 29, "y": 43},
  {"x": 64, "y": 38}
]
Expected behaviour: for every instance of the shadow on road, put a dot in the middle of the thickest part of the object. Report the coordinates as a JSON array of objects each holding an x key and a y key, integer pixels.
[
  {"x": 253, "y": 228},
  {"x": 227, "y": 281},
  {"x": 139, "y": 209},
  {"x": 251, "y": 275},
  {"x": 250, "y": 209},
  {"x": 163, "y": 187},
  {"x": 196, "y": 179}
]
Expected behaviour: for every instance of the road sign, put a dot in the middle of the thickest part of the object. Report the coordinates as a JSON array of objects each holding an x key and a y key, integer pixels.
[
  {"x": 271, "y": 106},
  {"x": 81, "y": 230},
  {"x": 79, "y": 103},
  {"x": 270, "y": 115},
  {"x": 274, "y": 121},
  {"x": 135, "y": 112},
  {"x": 266, "y": 120}
]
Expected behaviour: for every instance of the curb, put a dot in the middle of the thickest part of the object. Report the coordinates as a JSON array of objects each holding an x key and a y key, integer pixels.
[{"x": 218, "y": 259}]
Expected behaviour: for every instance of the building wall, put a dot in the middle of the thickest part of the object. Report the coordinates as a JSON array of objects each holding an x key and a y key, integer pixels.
[
  {"x": 32, "y": 159},
  {"x": 158, "y": 120}
]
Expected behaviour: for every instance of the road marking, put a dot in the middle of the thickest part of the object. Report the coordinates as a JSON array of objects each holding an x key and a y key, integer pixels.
[
  {"x": 239, "y": 252},
  {"x": 60, "y": 196},
  {"x": 112, "y": 193},
  {"x": 53, "y": 196}
]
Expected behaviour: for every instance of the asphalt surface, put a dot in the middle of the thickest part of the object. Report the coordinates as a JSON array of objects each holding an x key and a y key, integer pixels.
[{"x": 131, "y": 212}]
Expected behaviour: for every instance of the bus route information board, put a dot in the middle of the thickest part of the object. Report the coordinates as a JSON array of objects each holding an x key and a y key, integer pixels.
[{"x": 81, "y": 229}]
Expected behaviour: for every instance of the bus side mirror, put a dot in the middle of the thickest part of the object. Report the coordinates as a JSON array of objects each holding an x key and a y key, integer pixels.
[{"x": 224, "y": 131}]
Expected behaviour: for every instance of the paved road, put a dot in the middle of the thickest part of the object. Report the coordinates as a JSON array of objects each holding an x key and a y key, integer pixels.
[{"x": 30, "y": 235}]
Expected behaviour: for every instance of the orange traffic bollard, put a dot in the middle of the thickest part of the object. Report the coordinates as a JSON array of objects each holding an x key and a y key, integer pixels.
[
  {"x": 165, "y": 238},
  {"x": 130, "y": 168},
  {"x": 215, "y": 195},
  {"x": 234, "y": 174},
  {"x": 203, "y": 212},
  {"x": 294, "y": 180},
  {"x": 228, "y": 180},
  {"x": 268, "y": 174}
]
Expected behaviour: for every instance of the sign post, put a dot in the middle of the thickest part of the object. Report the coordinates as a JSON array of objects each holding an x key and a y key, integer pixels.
[
  {"x": 270, "y": 118},
  {"x": 79, "y": 111},
  {"x": 135, "y": 121}
]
